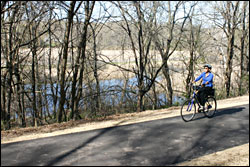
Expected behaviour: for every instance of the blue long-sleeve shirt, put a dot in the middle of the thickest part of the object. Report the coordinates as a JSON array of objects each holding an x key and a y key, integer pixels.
[{"x": 208, "y": 79}]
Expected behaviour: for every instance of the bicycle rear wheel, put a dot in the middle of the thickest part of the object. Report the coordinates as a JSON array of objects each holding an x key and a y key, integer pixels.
[
  {"x": 210, "y": 107},
  {"x": 188, "y": 110}
]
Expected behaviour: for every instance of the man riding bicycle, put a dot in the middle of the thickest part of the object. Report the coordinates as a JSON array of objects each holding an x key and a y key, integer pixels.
[{"x": 207, "y": 84}]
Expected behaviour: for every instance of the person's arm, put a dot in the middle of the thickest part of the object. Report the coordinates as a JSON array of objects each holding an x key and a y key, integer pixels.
[{"x": 198, "y": 78}]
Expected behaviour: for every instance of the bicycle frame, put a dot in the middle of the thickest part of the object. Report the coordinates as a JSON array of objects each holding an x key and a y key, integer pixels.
[{"x": 194, "y": 97}]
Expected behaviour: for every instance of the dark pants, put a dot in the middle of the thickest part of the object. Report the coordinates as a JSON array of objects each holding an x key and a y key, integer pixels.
[{"x": 203, "y": 92}]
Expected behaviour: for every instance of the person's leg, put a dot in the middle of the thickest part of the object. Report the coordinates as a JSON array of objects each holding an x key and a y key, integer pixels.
[
  {"x": 200, "y": 97},
  {"x": 206, "y": 93}
]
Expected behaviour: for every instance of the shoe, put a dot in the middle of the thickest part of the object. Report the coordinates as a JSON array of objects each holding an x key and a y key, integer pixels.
[
  {"x": 200, "y": 109},
  {"x": 209, "y": 106}
]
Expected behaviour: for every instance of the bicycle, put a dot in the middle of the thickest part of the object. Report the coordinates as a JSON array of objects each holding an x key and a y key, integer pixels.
[{"x": 188, "y": 108}]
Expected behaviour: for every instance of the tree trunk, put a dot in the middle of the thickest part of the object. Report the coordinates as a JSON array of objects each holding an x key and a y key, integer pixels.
[
  {"x": 82, "y": 56},
  {"x": 155, "y": 101},
  {"x": 39, "y": 90},
  {"x": 9, "y": 95},
  {"x": 242, "y": 51},
  {"x": 35, "y": 116},
  {"x": 140, "y": 106},
  {"x": 3, "y": 98},
  {"x": 19, "y": 90},
  {"x": 231, "y": 25},
  {"x": 23, "y": 110},
  {"x": 190, "y": 75},
  {"x": 97, "y": 93},
  {"x": 64, "y": 62},
  {"x": 166, "y": 74},
  {"x": 11, "y": 53},
  {"x": 230, "y": 52}
]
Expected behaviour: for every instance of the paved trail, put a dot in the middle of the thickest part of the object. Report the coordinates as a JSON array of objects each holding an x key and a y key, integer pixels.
[{"x": 160, "y": 142}]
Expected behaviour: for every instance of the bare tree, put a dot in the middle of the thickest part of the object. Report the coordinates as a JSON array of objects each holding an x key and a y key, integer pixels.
[
  {"x": 229, "y": 11},
  {"x": 63, "y": 67},
  {"x": 80, "y": 60},
  {"x": 193, "y": 44},
  {"x": 165, "y": 49},
  {"x": 144, "y": 44},
  {"x": 242, "y": 45},
  {"x": 144, "y": 25},
  {"x": 11, "y": 52},
  {"x": 97, "y": 93}
]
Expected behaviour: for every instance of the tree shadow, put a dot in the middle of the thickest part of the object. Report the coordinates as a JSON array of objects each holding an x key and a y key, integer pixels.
[
  {"x": 102, "y": 132},
  {"x": 228, "y": 111}
]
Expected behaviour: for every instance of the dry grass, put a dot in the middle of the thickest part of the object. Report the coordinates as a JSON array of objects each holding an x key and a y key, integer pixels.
[{"x": 236, "y": 156}]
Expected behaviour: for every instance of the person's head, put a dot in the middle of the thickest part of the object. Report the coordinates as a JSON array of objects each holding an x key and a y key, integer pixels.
[{"x": 207, "y": 67}]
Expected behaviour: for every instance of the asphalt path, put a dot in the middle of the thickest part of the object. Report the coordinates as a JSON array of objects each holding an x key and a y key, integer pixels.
[{"x": 156, "y": 143}]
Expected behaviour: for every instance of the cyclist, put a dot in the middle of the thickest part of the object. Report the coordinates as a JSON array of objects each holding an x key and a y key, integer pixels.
[{"x": 207, "y": 85}]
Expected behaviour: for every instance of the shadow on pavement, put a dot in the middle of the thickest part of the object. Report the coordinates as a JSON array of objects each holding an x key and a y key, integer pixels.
[
  {"x": 61, "y": 157},
  {"x": 221, "y": 112}
]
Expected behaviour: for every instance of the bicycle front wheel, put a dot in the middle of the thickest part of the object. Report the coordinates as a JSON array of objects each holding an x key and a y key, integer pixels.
[
  {"x": 188, "y": 110},
  {"x": 210, "y": 107}
]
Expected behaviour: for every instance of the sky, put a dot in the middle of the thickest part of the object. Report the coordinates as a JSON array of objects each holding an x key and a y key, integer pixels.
[{"x": 202, "y": 8}]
